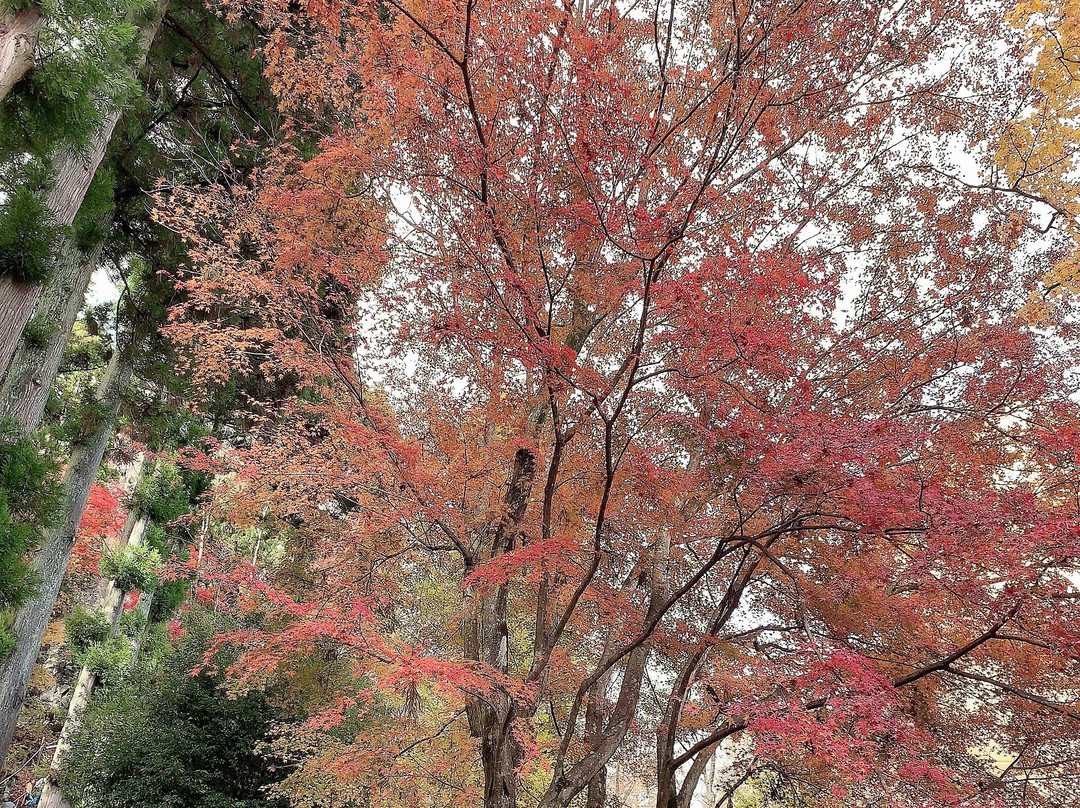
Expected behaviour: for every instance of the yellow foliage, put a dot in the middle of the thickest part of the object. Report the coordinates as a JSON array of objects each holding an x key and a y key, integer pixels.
[{"x": 1039, "y": 152}]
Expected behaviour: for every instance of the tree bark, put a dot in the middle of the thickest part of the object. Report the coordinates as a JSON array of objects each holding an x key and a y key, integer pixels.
[
  {"x": 487, "y": 640},
  {"x": 52, "y": 561},
  {"x": 18, "y": 40},
  {"x": 596, "y": 794},
  {"x": 71, "y": 177},
  {"x": 24, "y": 390},
  {"x": 606, "y": 738},
  {"x": 113, "y": 607}
]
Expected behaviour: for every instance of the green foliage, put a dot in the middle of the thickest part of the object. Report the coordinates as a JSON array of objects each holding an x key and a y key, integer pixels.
[
  {"x": 91, "y": 222},
  {"x": 162, "y": 737},
  {"x": 28, "y": 237},
  {"x": 51, "y": 109},
  {"x": 80, "y": 76},
  {"x": 157, "y": 537},
  {"x": 168, "y": 597},
  {"x": 73, "y": 410},
  {"x": 85, "y": 351},
  {"x": 29, "y": 503},
  {"x": 84, "y": 628},
  {"x": 132, "y": 568},
  {"x": 769, "y": 789},
  {"x": 162, "y": 494},
  {"x": 110, "y": 660},
  {"x": 169, "y": 593},
  {"x": 132, "y": 623},
  {"x": 38, "y": 331},
  {"x": 13, "y": 7},
  {"x": 7, "y": 636}
]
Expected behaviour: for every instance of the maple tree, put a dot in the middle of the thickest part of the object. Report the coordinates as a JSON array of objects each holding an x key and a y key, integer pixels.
[
  {"x": 693, "y": 406},
  {"x": 1038, "y": 152}
]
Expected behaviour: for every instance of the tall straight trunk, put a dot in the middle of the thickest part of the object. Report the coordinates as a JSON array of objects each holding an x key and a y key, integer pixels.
[
  {"x": 24, "y": 389},
  {"x": 71, "y": 177},
  {"x": 113, "y": 608},
  {"x": 18, "y": 39},
  {"x": 52, "y": 560}
]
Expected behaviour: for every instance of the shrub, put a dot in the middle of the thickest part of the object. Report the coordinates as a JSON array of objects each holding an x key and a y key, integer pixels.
[
  {"x": 133, "y": 567},
  {"x": 84, "y": 628},
  {"x": 28, "y": 238},
  {"x": 110, "y": 660}
]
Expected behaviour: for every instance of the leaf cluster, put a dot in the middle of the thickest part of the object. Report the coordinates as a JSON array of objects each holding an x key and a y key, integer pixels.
[
  {"x": 28, "y": 237},
  {"x": 132, "y": 568},
  {"x": 84, "y": 628},
  {"x": 29, "y": 503}
]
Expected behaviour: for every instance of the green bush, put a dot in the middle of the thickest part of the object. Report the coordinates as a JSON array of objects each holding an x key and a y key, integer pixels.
[
  {"x": 110, "y": 660},
  {"x": 84, "y": 628},
  {"x": 132, "y": 568},
  {"x": 161, "y": 737},
  {"x": 29, "y": 502},
  {"x": 7, "y": 642},
  {"x": 38, "y": 332},
  {"x": 28, "y": 238},
  {"x": 132, "y": 623},
  {"x": 161, "y": 494}
]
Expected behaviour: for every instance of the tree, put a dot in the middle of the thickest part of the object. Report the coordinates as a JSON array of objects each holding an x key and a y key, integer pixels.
[
  {"x": 28, "y": 496},
  {"x": 163, "y": 737},
  {"x": 61, "y": 131},
  {"x": 1039, "y": 150},
  {"x": 693, "y": 382},
  {"x": 51, "y": 561},
  {"x": 184, "y": 79}
]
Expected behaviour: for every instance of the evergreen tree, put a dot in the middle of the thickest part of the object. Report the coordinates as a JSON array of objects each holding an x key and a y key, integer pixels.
[{"x": 165, "y": 738}]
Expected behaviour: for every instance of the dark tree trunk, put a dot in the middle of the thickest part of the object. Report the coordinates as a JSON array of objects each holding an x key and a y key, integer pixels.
[{"x": 487, "y": 641}]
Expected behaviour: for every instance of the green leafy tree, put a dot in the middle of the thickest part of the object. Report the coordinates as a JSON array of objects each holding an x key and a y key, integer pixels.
[{"x": 165, "y": 738}]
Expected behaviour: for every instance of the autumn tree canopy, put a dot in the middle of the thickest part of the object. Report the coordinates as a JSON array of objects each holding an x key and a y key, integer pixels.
[{"x": 641, "y": 386}]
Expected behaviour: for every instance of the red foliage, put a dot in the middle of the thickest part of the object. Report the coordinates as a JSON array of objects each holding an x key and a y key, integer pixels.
[
  {"x": 102, "y": 520},
  {"x": 693, "y": 403}
]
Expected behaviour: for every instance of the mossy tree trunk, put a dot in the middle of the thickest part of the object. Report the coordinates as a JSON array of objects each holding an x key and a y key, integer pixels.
[{"x": 52, "y": 561}]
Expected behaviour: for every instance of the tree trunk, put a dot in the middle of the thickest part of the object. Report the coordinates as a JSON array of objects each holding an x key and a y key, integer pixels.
[
  {"x": 24, "y": 390},
  {"x": 487, "y": 641},
  {"x": 71, "y": 177},
  {"x": 52, "y": 561},
  {"x": 113, "y": 607},
  {"x": 596, "y": 794},
  {"x": 18, "y": 40},
  {"x": 605, "y": 739}
]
